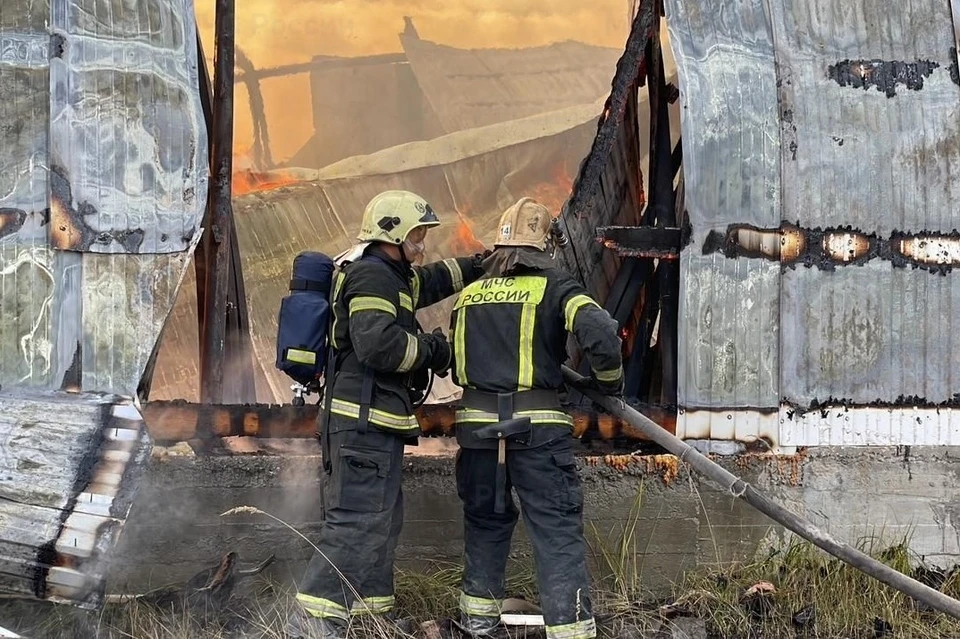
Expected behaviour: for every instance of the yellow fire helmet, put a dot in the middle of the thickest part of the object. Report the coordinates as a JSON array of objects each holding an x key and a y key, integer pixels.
[
  {"x": 391, "y": 215},
  {"x": 526, "y": 223}
]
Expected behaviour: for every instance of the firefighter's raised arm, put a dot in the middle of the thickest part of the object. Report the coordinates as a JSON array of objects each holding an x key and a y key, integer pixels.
[
  {"x": 439, "y": 280},
  {"x": 597, "y": 334},
  {"x": 379, "y": 341}
]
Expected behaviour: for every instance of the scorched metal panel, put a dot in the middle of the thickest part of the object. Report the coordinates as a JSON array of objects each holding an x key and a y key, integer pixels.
[
  {"x": 871, "y": 146},
  {"x": 728, "y": 332}
]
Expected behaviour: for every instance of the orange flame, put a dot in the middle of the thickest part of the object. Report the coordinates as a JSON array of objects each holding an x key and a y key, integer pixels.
[
  {"x": 554, "y": 194},
  {"x": 464, "y": 241},
  {"x": 250, "y": 181}
]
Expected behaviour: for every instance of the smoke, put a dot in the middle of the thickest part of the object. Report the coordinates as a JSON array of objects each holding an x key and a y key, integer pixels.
[{"x": 279, "y": 32}]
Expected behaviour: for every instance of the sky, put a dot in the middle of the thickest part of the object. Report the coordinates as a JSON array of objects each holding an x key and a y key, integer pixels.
[{"x": 277, "y": 32}]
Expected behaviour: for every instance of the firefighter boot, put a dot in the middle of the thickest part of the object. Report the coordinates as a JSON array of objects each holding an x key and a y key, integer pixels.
[
  {"x": 304, "y": 626},
  {"x": 479, "y": 627}
]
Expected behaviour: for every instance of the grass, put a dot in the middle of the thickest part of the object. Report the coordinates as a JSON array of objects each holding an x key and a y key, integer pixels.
[{"x": 802, "y": 593}]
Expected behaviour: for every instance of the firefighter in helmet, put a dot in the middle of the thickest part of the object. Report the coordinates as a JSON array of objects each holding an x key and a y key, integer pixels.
[
  {"x": 509, "y": 332},
  {"x": 367, "y": 413}
]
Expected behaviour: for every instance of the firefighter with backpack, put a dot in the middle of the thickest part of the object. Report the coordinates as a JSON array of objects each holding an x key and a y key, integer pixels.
[{"x": 375, "y": 368}]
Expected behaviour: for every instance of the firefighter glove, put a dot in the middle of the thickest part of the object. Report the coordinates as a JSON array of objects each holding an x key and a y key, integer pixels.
[
  {"x": 478, "y": 259},
  {"x": 440, "y": 355}
]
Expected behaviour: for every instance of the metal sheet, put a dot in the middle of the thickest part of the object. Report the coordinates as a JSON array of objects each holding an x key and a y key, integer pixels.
[
  {"x": 70, "y": 466},
  {"x": 871, "y": 143},
  {"x": 728, "y": 337},
  {"x": 730, "y": 327},
  {"x": 125, "y": 159},
  {"x": 120, "y": 166}
]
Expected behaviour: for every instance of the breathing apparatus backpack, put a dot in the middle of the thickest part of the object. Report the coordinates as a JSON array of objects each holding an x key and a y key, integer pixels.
[{"x": 303, "y": 323}]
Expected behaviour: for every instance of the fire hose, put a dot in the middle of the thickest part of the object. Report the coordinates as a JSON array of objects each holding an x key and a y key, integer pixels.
[{"x": 743, "y": 490}]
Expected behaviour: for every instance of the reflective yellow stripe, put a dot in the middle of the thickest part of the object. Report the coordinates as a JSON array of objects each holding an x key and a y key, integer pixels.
[
  {"x": 409, "y": 355},
  {"x": 337, "y": 285},
  {"x": 406, "y": 302},
  {"x": 608, "y": 376},
  {"x": 415, "y": 289},
  {"x": 460, "y": 346},
  {"x": 298, "y": 356},
  {"x": 317, "y": 607},
  {"x": 586, "y": 629},
  {"x": 360, "y": 303},
  {"x": 524, "y": 289},
  {"x": 372, "y": 606},
  {"x": 542, "y": 416},
  {"x": 527, "y": 326},
  {"x": 572, "y": 307},
  {"x": 479, "y": 606},
  {"x": 456, "y": 275},
  {"x": 378, "y": 417}
]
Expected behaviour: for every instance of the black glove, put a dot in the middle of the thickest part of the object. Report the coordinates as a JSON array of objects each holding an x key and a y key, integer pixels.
[
  {"x": 605, "y": 388},
  {"x": 478, "y": 261},
  {"x": 440, "y": 355}
]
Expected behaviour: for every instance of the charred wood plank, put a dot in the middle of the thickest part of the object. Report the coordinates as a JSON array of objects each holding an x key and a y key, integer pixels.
[{"x": 176, "y": 421}]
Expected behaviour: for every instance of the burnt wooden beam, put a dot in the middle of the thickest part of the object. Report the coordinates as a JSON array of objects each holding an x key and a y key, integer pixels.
[
  {"x": 176, "y": 421},
  {"x": 658, "y": 242},
  {"x": 213, "y": 334}
]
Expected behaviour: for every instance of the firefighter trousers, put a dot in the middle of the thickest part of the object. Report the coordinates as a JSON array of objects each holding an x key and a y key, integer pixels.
[
  {"x": 551, "y": 500},
  {"x": 353, "y": 572}
]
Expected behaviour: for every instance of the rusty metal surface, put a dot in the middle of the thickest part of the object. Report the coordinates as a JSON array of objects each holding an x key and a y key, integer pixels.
[
  {"x": 729, "y": 316},
  {"x": 175, "y": 421},
  {"x": 70, "y": 465}
]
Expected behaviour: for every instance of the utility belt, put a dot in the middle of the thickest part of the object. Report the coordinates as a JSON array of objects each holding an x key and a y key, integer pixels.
[{"x": 522, "y": 419}]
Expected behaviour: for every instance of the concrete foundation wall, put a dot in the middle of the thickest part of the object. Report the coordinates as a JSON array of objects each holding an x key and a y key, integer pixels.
[{"x": 684, "y": 522}]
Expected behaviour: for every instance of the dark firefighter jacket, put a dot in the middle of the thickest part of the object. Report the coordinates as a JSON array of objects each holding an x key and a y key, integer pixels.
[
  {"x": 374, "y": 326},
  {"x": 510, "y": 333}
]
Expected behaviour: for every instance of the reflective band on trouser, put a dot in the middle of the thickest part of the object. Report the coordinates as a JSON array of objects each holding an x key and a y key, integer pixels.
[
  {"x": 572, "y": 307},
  {"x": 409, "y": 355},
  {"x": 608, "y": 376},
  {"x": 456, "y": 275},
  {"x": 317, "y": 607},
  {"x": 586, "y": 629},
  {"x": 372, "y": 606},
  {"x": 358, "y": 304},
  {"x": 298, "y": 356},
  {"x": 378, "y": 417},
  {"x": 527, "y": 325},
  {"x": 541, "y": 416},
  {"x": 460, "y": 345},
  {"x": 479, "y": 606}
]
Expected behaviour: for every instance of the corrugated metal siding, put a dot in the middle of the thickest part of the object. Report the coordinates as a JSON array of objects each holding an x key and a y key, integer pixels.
[
  {"x": 784, "y": 123},
  {"x": 121, "y": 152},
  {"x": 728, "y": 327},
  {"x": 127, "y": 142},
  {"x": 879, "y": 161}
]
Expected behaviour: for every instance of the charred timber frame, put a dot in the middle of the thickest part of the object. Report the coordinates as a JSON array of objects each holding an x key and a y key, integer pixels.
[
  {"x": 176, "y": 421},
  {"x": 647, "y": 285},
  {"x": 221, "y": 298}
]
